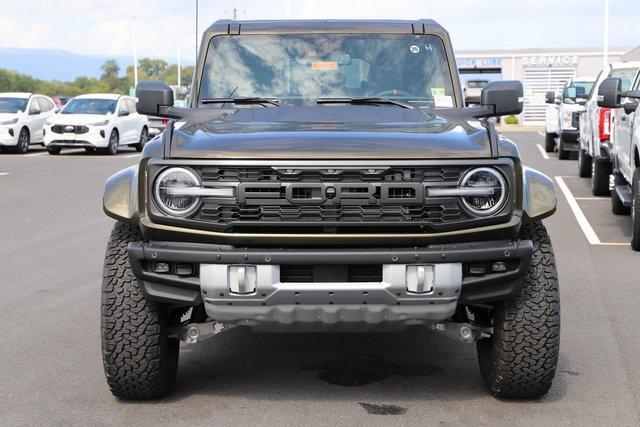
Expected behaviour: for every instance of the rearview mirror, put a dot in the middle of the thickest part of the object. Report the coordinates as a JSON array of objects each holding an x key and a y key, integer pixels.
[
  {"x": 609, "y": 93},
  {"x": 154, "y": 98},
  {"x": 505, "y": 97},
  {"x": 550, "y": 97}
]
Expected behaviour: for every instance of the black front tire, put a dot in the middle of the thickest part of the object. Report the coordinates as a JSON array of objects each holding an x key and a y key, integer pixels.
[
  {"x": 519, "y": 360},
  {"x": 54, "y": 151},
  {"x": 140, "y": 360},
  {"x": 635, "y": 211},
  {"x": 114, "y": 142},
  {"x": 616, "y": 203},
  {"x": 562, "y": 153},
  {"x": 24, "y": 139},
  {"x": 144, "y": 137},
  {"x": 584, "y": 164},
  {"x": 549, "y": 142},
  {"x": 600, "y": 171}
]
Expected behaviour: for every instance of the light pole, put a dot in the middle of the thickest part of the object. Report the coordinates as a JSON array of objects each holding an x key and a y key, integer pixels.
[
  {"x": 197, "y": 5},
  {"x": 179, "y": 67},
  {"x": 135, "y": 54},
  {"x": 605, "y": 53}
]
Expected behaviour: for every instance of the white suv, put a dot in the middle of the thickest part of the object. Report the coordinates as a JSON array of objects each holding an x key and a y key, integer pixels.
[
  {"x": 559, "y": 116},
  {"x": 22, "y": 117},
  {"x": 98, "y": 121}
]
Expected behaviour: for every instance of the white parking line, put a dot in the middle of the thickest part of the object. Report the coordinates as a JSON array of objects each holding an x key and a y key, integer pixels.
[
  {"x": 4, "y": 173},
  {"x": 131, "y": 155},
  {"x": 542, "y": 152},
  {"x": 588, "y": 231},
  {"x": 592, "y": 198},
  {"x": 540, "y": 133}
]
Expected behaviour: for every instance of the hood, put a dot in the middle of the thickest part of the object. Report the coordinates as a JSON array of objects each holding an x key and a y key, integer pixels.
[
  {"x": 5, "y": 117},
  {"x": 345, "y": 132},
  {"x": 78, "y": 119}
]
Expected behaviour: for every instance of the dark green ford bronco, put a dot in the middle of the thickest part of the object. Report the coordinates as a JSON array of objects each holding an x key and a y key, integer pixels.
[{"x": 326, "y": 176}]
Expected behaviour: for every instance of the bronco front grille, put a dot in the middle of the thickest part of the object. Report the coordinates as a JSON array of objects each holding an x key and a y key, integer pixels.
[{"x": 332, "y": 200}]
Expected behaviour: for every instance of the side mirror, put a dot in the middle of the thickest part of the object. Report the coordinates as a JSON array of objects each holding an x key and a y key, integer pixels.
[
  {"x": 581, "y": 101},
  {"x": 609, "y": 93},
  {"x": 34, "y": 110},
  {"x": 505, "y": 97},
  {"x": 550, "y": 97},
  {"x": 154, "y": 98},
  {"x": 123, "y": 113}
]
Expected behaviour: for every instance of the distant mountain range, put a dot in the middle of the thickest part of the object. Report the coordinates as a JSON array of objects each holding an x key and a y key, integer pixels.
[{"x": 50, "y": 64}]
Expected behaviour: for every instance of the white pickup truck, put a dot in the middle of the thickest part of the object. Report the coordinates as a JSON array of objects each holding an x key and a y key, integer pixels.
[
  {"x": 559, "y": 116},
  {"x": 594, "y": 157},
  {"x": 625, "y": 154}
]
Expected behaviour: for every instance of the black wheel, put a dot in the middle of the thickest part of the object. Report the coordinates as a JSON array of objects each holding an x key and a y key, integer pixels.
[
  {"x": 549, "y": 142},
  {"x": 616, "y": 203},
  {"x": 114, "y": 141},
  {"x": 89, "y": 149},
  {"x": 584, "y": 164},
  {"x": 144, "y": 137},
  {"x": 520, "y": 358},
  {"x": 54, "y": 151},
  {"x": 562, "y": 153},
  {"x": 635, "y": 211},
  {"x": 23, "y": 141},
  {"x": 140, "y": 361},
  {"x": 600, "y": 171}
]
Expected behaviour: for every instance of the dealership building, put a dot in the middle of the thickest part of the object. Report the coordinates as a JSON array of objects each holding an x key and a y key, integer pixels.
[{"x": 540, "y": 70}]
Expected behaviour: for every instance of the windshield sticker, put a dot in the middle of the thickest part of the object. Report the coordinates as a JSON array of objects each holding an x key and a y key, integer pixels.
[
  {"x": 428, "y": 48},
  {"x": 414, "y": 49},
  {"x": 437, "y": 91},
  {"x": 443, "y": 101},
  {"x": 324, "y": 66}
]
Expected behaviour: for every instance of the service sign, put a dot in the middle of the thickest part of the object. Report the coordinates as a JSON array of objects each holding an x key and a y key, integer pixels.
[{"x": 550, "y": 61}]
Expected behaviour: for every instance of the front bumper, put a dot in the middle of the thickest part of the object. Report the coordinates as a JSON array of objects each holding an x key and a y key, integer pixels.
[
  {"x": 6, "y": 139},
  {"x": 334, "y": 303},
  {"x": 96, "y": 137}
]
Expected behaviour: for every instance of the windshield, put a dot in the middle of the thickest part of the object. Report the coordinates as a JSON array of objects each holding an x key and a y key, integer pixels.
[
  {"x": 476, "y": 84},
  {"x": 90, "y": 106},
  {"x": 13, "y": 105},
  {"x": 626, "y": 75},
  {"x": 578, "y": 90},
  {"x": 301, "y": 68}
]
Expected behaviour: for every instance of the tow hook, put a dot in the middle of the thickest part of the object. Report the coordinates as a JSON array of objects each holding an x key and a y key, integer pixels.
[
  {"x": 193, "y": 333},
  {"x": 465, "y": 332}
]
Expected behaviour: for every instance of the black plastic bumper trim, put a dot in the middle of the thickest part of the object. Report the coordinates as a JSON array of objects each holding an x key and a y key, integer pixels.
[{"x": 475, "y": 289}]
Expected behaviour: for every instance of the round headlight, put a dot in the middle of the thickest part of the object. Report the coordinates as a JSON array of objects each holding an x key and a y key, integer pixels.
[
  {"x": 489, "y": 179},
  {"x": 170, "y": 191}
]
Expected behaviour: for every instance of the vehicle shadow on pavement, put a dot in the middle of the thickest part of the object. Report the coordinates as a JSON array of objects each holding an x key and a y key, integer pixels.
[{"x": 416, "y": 364}]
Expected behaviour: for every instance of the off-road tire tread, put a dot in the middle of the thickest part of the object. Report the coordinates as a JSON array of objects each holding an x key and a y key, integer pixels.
[
  {"x": 140, "y": 362},
  {"x": 562, "y": 153},
  {"x": 520, "y": 360}
]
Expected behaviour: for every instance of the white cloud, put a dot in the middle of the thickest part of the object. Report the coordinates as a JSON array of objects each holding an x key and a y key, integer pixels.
[{"x": 101, "y": 27}]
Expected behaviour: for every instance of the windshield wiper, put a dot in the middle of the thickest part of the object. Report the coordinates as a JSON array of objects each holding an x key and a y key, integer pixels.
[
  {"x": 364, "y": 100},
  {"x": 243, "y": 101}
]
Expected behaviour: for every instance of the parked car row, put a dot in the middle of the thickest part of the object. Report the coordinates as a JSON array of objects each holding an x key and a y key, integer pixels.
[
  {"x": 606, "y": 124},
  {"x": 101, "y": 122}
]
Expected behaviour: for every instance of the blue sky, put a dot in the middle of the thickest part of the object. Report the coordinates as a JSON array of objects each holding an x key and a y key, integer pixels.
[{"x": 165, "y": 26}]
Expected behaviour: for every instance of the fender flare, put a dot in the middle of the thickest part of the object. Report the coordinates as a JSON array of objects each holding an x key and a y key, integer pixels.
[
  {"x": 539, "y": 198},
  {"x": 120, "y": 199}
]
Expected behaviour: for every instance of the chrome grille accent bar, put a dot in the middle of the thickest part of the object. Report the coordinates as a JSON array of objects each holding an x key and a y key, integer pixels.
[
  {"x": 460, "y": 192},
  {"x": 201, "y": 192}
]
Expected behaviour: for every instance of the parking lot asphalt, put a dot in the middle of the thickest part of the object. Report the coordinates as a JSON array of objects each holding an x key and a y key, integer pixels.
[{"x": 52, "y": 241}]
